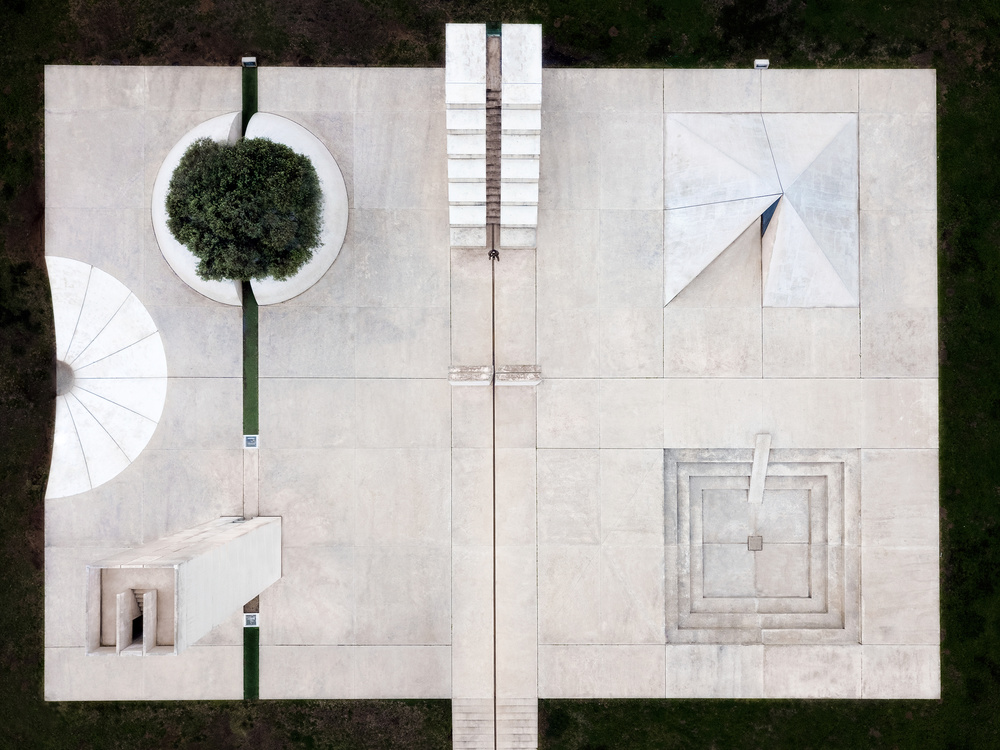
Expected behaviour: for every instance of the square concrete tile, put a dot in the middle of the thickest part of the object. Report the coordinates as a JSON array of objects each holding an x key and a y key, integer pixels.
[
  {"x": 472, "y": 417},
  {"x": 568, "y": 413},
  {"x": 402, "y": 342},
  {"x": 812, "y": 342},
  {"x": 200, "y": 673},
  {"x": 200, "y": 341},
  {"x": 400, "y": 257},
  {"x": 899, "y": 343},
  {"x": 95, "y": 159},
  {"x": 313, "y": 490},
  {"x": 631, "y": 258},
  {"x": 72, "y": 675},
  {"x": 400, "y": 90},
  {"x": 717, "y": 413},
  {"x": 813, "y": 413},
  {"x": 631, "y": 159},
  {"x": 631, "y": 595},
  {"x": 314, "y": 602},
  {"x": 714, "y": 671},
  {"x": 330, "y": 332},
  {"x": 183, "y": 488},
  {"x": 899, "y": 498},
  {"x": 403, "y": 496},
  {"x": 515, "y": 497},
  {"x": 403, "y": 595},
  {"x": 404, "y": 413},
  {"x": 898, "y": 162},
  {"x": 308, "y": 412},
  {"x": 711, "y": 342},
  {"x": 567, "y": 259},
  {"x": 900, "y": 413},
  {"x": 109, "y": 515},
  {"x": 631, "y": 343},
  {"x": 515, "y": 417},
  {"x": 400, "y": 163},
  {"x": 631, "y": 413},
  {"x": 622, "y": 671},
  {"x": 812, "y": 671},
  {"x": 218, "y": 405},
  {"x": 899, "y": 595},
  {"x": 901, "y": 672},
  {"x": 898, "y": 259},
  {"x": 568, "y": 499},
  {"x": 631, "y": 671}
]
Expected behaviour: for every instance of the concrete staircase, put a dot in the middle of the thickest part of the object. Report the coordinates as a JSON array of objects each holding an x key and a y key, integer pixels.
[
  {"x": 516, "y": 724},
  {"x": 472, "y": 723}
]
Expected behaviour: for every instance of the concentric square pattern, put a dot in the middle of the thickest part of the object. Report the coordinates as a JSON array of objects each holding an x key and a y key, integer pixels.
[{"x": 784, "y": 571}]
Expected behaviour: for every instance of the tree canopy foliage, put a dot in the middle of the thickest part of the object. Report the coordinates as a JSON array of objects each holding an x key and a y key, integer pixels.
[{"x": 247, "y": 210}]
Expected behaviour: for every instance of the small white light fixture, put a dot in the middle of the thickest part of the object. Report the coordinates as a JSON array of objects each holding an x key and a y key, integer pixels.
[
  {"x": 251, "y": 620},
  {"x": 251, "y": 441},
  {"x": 249, "y": 62},
  {"x": 761, "y": 64}
]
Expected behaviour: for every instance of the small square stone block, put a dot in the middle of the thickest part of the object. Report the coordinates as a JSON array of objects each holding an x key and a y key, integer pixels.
[{"x": 755, "y": 543}]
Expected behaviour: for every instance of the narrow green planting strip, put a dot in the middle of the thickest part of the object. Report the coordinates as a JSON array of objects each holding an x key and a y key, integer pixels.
[
  {"x": 251, "y": 418},
  {"x": 251, "y": 663},
  {"x": 249, "y": 97}
]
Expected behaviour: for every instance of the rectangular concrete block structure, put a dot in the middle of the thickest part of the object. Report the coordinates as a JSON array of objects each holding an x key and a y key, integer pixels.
[
  {"x": 202, "y": 575},
  {"x": 495, "y": 544}
]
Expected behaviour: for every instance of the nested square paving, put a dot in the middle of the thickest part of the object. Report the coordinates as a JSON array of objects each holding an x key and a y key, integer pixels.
[{"x": 777, "y": 572}]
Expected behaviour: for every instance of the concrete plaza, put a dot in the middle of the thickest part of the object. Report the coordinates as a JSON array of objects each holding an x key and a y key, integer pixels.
[{"x": 509, "y": 543}]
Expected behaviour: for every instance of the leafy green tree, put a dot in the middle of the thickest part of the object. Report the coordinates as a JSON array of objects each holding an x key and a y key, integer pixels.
[{"x": 246, "y": 210}]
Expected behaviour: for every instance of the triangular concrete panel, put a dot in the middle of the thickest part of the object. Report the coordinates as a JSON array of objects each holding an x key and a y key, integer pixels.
[
  {"x": 731, "y": 280},
  {"x": 797, "y": 139},
  {"x": 713, "y": 158},
  {"x": 798, "y": 272},
  {"x": 825, "y": 196},
  {"x": 695, "y": 236}
]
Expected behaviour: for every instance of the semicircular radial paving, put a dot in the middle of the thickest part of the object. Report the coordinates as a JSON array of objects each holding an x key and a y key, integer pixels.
[
  {"x": 723, "y": 171},
  {"x": 119, "y": 377}
]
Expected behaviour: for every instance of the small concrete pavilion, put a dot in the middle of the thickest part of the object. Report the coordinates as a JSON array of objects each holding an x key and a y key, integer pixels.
[{"x": 677, "y": 438}]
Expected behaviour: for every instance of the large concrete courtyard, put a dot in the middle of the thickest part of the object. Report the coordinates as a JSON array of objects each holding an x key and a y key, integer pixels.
[{"x": 587, "y": 536}]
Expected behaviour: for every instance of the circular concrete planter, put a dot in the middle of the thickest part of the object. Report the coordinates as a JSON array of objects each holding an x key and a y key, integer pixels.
[
  {"x": 331, "y": 181},
  {"x": 181, "y": 260},
  {"x": 267, "y": 291}
]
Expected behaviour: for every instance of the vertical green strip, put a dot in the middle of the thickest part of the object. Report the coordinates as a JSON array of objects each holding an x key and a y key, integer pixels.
[
  {"x": 251, "y": 420},
  {"x": 249, "y": 96},
  {"x": 251, "y": 663}
]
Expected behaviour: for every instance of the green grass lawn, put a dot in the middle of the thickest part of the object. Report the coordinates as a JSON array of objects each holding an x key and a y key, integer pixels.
[{"x": 960, "y": 39}]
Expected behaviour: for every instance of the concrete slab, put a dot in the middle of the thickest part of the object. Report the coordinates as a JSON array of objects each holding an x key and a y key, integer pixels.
[
  {"x": 402, "y": 342},
  {"x": 308, "y": 412},
  {"x": 568, "y": 413},
  {"x": 314, "y": 493},
  {"x": 899, "y": 498},
  {"x": 901, "y": 672},
  {"x": 812, "y": 671},
  {"x": 609, "y": 90},
  {"x": 711, "y": 90},
  {"x": 631, "y": 497},
  {"x": 330, "y": 331},
  {"x": 631, "y": 413},
  {"x": 74, "y": 88},
  {"x": 899, "y": 342},
  {"x": 402, "y": 672},
  {"x": 714, "y": 671},
  {"x": 625, "y": 671},
  {"x": 899, "y": 595},
  {"x": 567, "y": 259},
  {"x": 631, "y": 155},
  {"x": 630, "y": 259},
  {"x": 631, "y": 343},
  {"x": 711, "y": 343},
  {"x": 569, "y": 343},
  {"x": 813, "y": 413},
  {"x": 898, "y": 164},
  {"x": 317, "y": 672},
  {"x": 571, "y": 170},
  {"x": 900, "y": 413},
  {"x": 717, "y": 413},
  {"x": 201, "y": 342},
  {"x": 897, "y": 91},
  {"x": 568, "y": 499},
  {"x": 809, "y": 91},
  {"x": 219, "y": 403},
  {"x": 812, "y": 342},
  {"x": 898, "y": 259}
]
